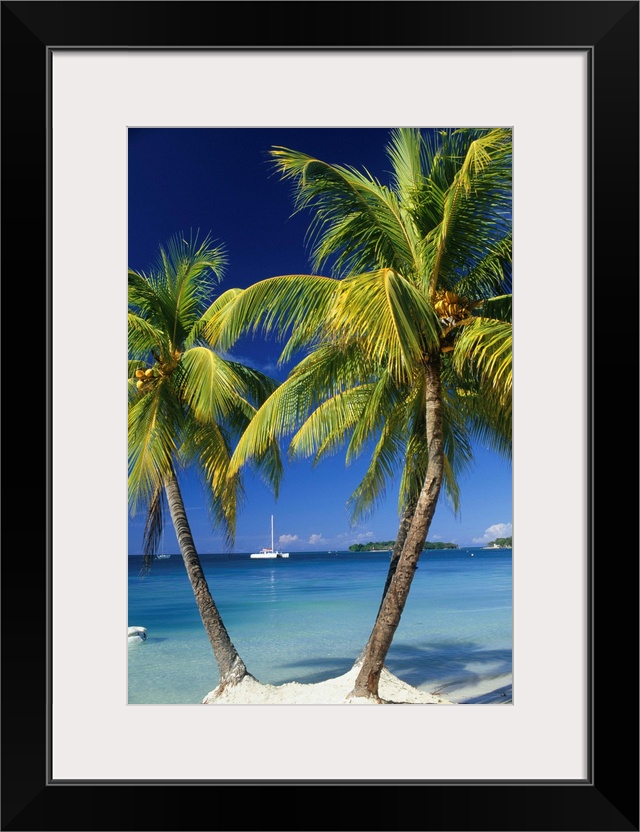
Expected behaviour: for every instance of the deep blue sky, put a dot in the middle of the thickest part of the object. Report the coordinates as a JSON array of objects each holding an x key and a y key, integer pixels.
[{"x": 221, "y": 181}]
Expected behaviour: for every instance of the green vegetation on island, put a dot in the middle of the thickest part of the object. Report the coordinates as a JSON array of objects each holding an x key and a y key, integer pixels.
[
  {"x": 500, "y": 543},
  {"x": 387, "y": 545}
]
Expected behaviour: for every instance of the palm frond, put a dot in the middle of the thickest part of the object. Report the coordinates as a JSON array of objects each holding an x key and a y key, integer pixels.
[
  {"x": 153, "y": 529},
  {"x": 208, "y": 449},
  {"x": 393, "y": 320},
  {"x": 482, "y": 362},
  {"x": 383, "y": 397},
  {"x": 328, "y": 426},
  {"x": 385, "y": 460},
  {"x": 174, "y": 295},
  {"x": 485, "y": 345},
  {"x": 356, "y": 220},
  {"x": 476, "y": 211},
  {"x": 414, "y": 467},
  {"x": 490, "y": 275},
  {"x": 193, "y": 403},
  {"x": 141, "y": 291},
  {"x": 278, "y": 416},
  {"x": 211, "y": 386},
  {"x": 458, "y": 451},
  {"x": 405, "y": 151},
  {"x": 155, "y": 423},
  {"x": 144, "y": 338},
  {"x": 499, "y": 307},
  {"x": 294, "y": 306},
  {"x": 484, "y": 151},
  {"x": 198, "y": 330}
]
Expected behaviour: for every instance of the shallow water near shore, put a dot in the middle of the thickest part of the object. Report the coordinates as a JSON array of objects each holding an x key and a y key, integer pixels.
[{"x": 306, "y": 618}]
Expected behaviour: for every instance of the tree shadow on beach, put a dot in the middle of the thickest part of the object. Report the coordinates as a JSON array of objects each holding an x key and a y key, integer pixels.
[
  {"x": 437, "y": 666},
  {"x": 503, "y": 695},
  {"x": 442, "y": 666}
]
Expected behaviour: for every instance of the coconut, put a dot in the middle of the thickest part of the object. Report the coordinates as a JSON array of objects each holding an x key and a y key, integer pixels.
[
  {"x": 139, "y": 373},
  {"x": 148, "y": 373}
]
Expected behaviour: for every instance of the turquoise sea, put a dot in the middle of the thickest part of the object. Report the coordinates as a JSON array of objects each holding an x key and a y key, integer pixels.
[{"x": 307, "y": 617}]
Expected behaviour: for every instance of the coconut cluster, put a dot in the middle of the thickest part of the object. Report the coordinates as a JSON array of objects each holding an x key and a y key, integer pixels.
[
  {"x": 144, "y": 376},
  {"x": 452, "y": 309}
]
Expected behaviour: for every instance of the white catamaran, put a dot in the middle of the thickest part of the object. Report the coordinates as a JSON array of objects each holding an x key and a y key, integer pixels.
[{"x": 270, "y": 553}]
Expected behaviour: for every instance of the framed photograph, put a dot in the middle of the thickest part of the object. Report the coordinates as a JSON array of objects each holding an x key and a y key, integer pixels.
[{"x": 564, "y": 78}]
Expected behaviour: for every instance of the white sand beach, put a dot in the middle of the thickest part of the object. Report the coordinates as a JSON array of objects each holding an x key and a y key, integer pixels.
[
  {"x": 496, "y": 690},
  {"x": 393, "y": 691}
]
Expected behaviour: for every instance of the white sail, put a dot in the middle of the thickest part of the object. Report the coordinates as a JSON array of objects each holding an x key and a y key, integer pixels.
[{"x": 272, "y": 552}]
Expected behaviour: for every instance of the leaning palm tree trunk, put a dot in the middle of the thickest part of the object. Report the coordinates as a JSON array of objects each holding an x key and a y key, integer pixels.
[
  {"x": 403, "y": 530},
  {"x": 395, "y": 598},
  {"x": 231, "y": 667}
]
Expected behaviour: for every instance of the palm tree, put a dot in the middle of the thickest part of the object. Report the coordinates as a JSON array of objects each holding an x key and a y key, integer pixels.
[
  {"x": 413, "y": 264},
  {"x": 334, "y": 398},
  {"x": 187, "y": 405}
]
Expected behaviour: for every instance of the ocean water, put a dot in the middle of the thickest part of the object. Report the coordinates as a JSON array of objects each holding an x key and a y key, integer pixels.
[{"x": 306, "y": 619}]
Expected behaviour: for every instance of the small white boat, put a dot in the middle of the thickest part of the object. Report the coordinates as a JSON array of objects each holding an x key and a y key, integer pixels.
[
  {"x": 270, "y": 552},
  {"x": 136, "y": 634}
]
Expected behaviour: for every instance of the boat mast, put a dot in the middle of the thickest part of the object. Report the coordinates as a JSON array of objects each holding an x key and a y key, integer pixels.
[{"x": 272, "y": 532}]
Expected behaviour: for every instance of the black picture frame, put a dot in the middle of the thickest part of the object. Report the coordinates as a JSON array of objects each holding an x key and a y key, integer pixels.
[{"x": 608, "y": 798}]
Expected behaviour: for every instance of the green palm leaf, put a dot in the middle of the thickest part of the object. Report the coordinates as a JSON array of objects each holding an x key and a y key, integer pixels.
[
  {"x": 155, "y": 425},
  {"x": 193, "y": 395},
  {"x": 145, "y": 338},
  {"x": 198, "y": 334},
  {"x": 444, "y": 221},
  {"x": 394, "y": 322},
  {"x": 485, "y": 345},
  {"x": 384, "y": 463},
  {"x": 208, "y": 448},
  {"x": 328, "y": 426},
  {"x": 275, "y": 307},
  {"x": 356, "y": 219},
  {"x": 210, "y": 384}
]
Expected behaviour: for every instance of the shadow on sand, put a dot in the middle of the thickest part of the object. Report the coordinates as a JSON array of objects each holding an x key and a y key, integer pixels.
[
  {"x": 437, "y": 666},
  {"x": 446, "y": 666}
]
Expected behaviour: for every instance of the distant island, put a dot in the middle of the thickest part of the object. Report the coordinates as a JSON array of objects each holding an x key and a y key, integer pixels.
[
  {"x": 387, "y": 545},
  {"x": 499, "y": 543}
]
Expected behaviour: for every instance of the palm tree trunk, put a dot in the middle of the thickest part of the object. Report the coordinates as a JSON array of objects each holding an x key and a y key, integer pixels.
[
  {"x": 231, "y": 667},
  {"x": 403, "y": 530},
  {"x": 394, "y": 601}
]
